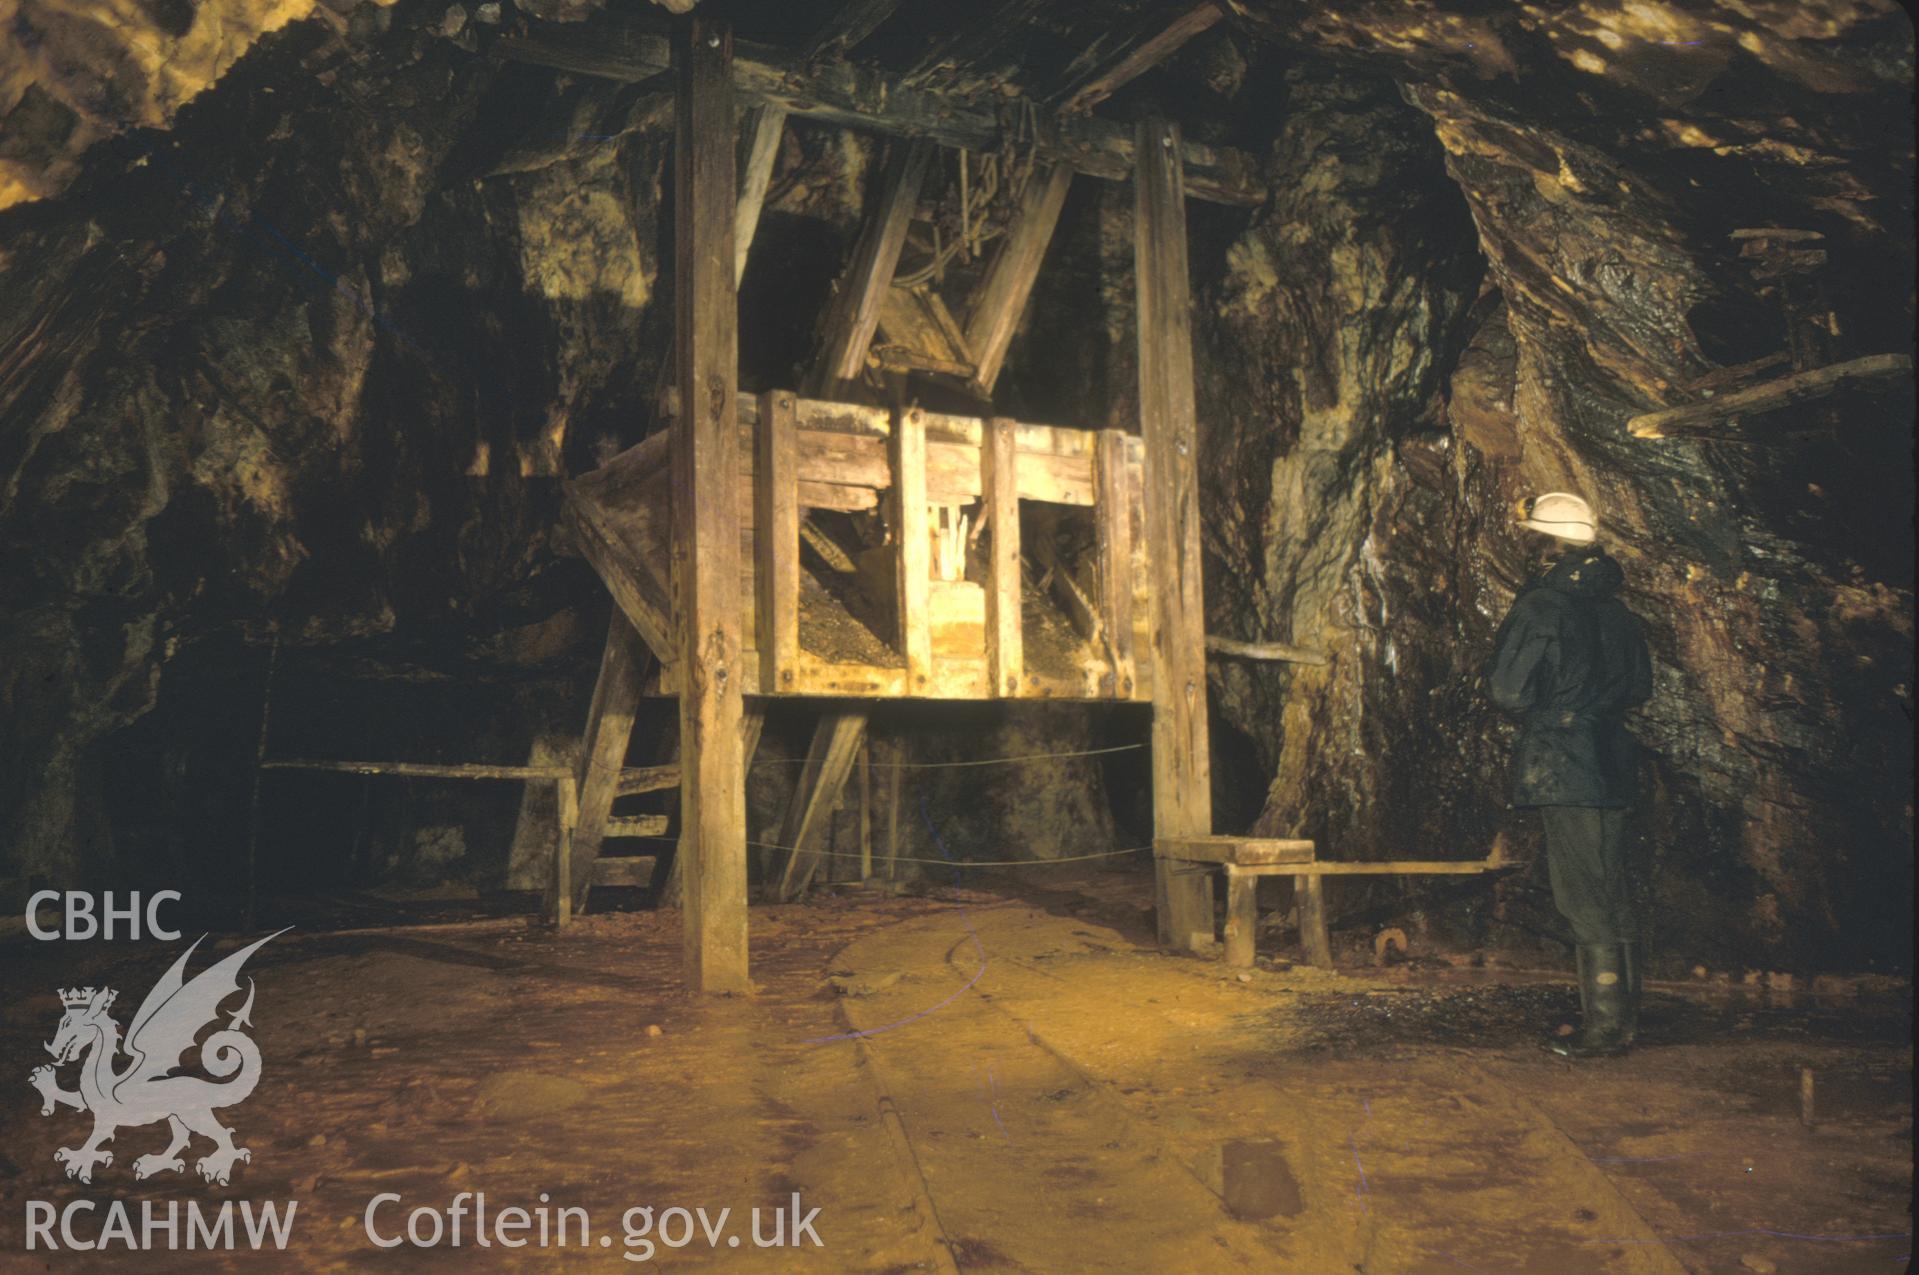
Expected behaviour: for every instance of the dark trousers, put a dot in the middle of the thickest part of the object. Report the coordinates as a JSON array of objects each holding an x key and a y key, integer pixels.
[{"x": 1586, "y": 853}]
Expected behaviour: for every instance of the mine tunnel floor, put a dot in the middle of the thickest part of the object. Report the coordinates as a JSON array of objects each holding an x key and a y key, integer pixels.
[{"x": 1002, "y": 1078}]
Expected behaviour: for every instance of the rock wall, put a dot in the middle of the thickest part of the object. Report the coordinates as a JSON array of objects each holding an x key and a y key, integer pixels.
[
  {"x": 1606, "y": 154},
  {"x": 300, "y": 349},
  {"x": 1328, "y": 338},
  {"x": 311, "y": 364}
]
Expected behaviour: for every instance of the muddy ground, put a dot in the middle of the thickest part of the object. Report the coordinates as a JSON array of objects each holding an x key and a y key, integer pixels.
[{"x": 999, "y": 1078}]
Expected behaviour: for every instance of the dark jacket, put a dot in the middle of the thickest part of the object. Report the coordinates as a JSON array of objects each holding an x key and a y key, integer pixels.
[{"x": 1569, "y": 661}]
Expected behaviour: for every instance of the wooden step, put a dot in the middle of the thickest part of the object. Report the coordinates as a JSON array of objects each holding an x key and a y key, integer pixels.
[
  {"x": 638, "y": 779},
  {"x": 636, "y": 826}
]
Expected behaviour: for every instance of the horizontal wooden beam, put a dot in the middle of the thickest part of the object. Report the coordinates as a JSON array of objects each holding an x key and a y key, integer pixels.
[
  {"x": 1769, "y": 395},
  {"x": 635, "y": 825},
  {"x": 639, "y": 779},
  {"x": 423, "y": 770},
  {"x": 864, "y": 98},
  {"x": 1242, "y": 851},
  {"x": 1264, "y": 650},
  {"x": 862, "y": 420},
  {"x": 842, "y": 455},
  {"x": 634, "y": 779},
  {"x": 1392, "y": 866}
]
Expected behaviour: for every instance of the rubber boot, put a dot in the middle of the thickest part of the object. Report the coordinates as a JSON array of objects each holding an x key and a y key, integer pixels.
[
  {"x": 1635, "y": 980},
  {"x": 1605, "y": 1021}
]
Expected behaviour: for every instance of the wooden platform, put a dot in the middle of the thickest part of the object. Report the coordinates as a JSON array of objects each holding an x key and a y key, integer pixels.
[{"x": 849, "y": 640}]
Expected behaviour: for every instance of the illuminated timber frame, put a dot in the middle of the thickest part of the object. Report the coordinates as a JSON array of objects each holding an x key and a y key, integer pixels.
[{"x": 697, "y": 530}]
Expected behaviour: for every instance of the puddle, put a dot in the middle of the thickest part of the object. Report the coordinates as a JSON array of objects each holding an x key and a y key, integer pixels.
[{"x": 1253, "y": 1178}]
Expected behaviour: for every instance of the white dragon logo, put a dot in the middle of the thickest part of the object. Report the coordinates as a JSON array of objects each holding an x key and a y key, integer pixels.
[{"x": 145, "y": 1092}]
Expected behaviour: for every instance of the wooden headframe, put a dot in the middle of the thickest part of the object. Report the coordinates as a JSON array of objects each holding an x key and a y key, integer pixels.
[{"x": 728, "y": 466}]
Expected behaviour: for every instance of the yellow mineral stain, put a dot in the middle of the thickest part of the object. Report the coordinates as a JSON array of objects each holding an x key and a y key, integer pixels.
[
  {"x": 1687, "y": 134},
  {"x": 67, "y": 48},
  {"x": 1588, "y": 61}
]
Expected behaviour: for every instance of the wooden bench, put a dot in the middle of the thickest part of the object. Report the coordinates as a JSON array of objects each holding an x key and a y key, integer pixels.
[{"x": 1246, "y": 859}]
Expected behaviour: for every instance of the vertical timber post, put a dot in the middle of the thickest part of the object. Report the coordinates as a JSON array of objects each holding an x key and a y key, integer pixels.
[
  {"x": 999, "y": 481},
  {"x": 1182, "y": 765},
  {"x": 912, "y": 555},
  {"x": 1113, "y": 521},
  {"x": 776, "y": 494},
  {"x": 706, "y": 513}
]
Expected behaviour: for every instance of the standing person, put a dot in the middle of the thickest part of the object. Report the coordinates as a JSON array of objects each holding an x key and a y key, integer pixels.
[{"x": 1569, "y": 661}]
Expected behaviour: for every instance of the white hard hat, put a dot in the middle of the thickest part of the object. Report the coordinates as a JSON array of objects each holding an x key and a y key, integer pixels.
[{"x": 1559, "y": 514}]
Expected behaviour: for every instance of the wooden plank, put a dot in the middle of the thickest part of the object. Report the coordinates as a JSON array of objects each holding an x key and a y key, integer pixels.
[
  {"x": 900, "y": 358},
  {"x": 952, "y": 678},
  {"x": 1719, "y": 378},
  {"x": 1401, "y": 868},
  {"x": 622, "y": 570},
  {"x": 866, "y": 98},
  {"x": 1264, "y": 650},
  {"x": 777, "y": 538},
  {"x": 1113, "y": 550},
  {"x": 706, "y": 515},
  {"x": 1382, "y": 868},
  {"x": 423, "y": 770},
  {"x": 760, "y": 144},
  {"x": 1244, "y": 851},
  {"x": 639, "y": 779},
  {"x": 1128, "y": 52},
  {"x": 626, "y": 869},
  {"x": 917, "y": 334},
  {"x": 1311, "y": 897},
  {"x": 855, "y": 309},
  {"x": 851, "y": 23},
  {"x": 912, "y": 549},
  {"x": 836, "y": 744},
  {"x": 1769, "y": 395},
  {"x": 609, "y": 730},
  {"x": 1242, "y": 917},
  {"x": 864, "y": 420},
  {"x": 636, "y": 825},
  {"x": 999, "y": 479},
  {"x": 1182, "y": 765},
  {"x": 1009, "y": 281}
]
